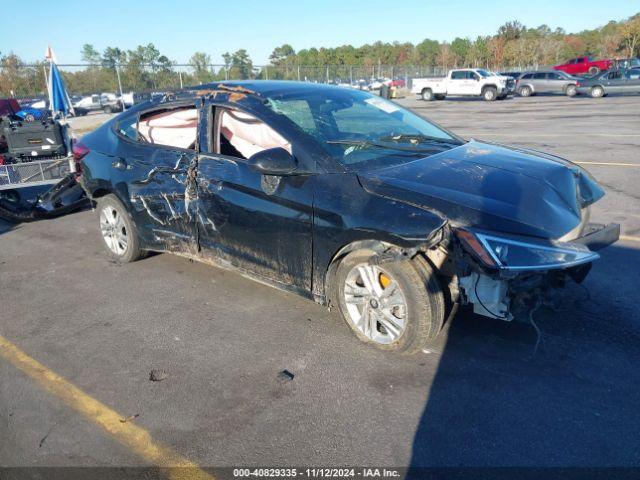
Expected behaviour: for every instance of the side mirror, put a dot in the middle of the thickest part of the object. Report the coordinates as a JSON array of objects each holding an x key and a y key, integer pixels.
[{"x": 274, "y": 161}]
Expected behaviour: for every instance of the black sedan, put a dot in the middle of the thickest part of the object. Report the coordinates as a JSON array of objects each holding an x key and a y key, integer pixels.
[
  {"x": 344, "y": 198},
  {"x": 611, "y": 81}
]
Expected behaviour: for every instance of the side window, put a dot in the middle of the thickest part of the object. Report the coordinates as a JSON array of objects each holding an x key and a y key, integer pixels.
[
  {"x": 242, "y": 135},
  {"x": 539, "y": 76},
  {"x": 579, "y": 60},
  {"x": 614, "y": 75},
  {"x": 633, "y": 74},
  {"x": 128, "y": 127},
  {"x": 572, "y": 61},
  {"x": 175, "y": 127},
  {"x": 527, "y": 76},
  {"x": 299, "y": 112},
  {"x": 555, "y": 76},
  {"x": 473, "y": 76},
  {"x": 458, "y": 75}
]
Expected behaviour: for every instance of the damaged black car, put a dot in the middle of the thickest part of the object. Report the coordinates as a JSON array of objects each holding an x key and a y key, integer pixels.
[{"x": 345, "y": 198}]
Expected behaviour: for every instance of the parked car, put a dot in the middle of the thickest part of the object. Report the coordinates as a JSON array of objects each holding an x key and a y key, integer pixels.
[
  {"x": 530, "y": 83},
  {"x": 613, "y": 81},
  {"x": 584, "y": 65},
  {"x": 384, "y": 215},
  {"x": 10, "y": 107},
  {"x": 398, "y": 83},
  {"x": 626, "y": 63},
  {"x": 107, "y": 102},
  {"x": 472, "y": 82}
]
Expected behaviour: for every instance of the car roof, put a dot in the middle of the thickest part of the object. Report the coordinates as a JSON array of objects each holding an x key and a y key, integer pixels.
[{"x": 264, "y": 88}]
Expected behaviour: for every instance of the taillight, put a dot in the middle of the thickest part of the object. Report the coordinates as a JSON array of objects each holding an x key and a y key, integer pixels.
[
  {"x": 1, "y": 159},
  {"x": 79, "y": 151},
  {"x": 577, "y": 84}
]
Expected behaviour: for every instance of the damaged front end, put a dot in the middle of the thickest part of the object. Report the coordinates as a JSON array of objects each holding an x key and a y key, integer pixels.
[{"x": 503, "y": 276}]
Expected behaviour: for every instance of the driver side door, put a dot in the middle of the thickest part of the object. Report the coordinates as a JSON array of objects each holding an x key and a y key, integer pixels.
[{"x": 258, "y": 223}]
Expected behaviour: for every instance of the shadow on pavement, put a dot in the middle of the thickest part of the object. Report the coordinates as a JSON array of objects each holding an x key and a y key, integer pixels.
[{"x": 574, "y": 403}]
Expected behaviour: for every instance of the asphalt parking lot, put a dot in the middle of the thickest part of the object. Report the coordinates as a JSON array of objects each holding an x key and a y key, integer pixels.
[{"x": 479, "y": 397}]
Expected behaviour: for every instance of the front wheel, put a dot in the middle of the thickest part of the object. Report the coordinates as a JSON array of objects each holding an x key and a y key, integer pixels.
[
  {"x": 427, "y": 94},
  {"x": 597, "y": 91},
  {"x": 394, "y": 306},
  {"x": 119, "y": 234},
  {"x": 571, "y": 91},
  {"x": 490, "y": 94}
]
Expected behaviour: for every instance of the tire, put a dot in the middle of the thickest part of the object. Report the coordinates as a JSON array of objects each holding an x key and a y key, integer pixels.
[
  {"x": 571, "y": 90},
  {"x": 594, "y": 70},
  {"x": 597, "y": 92},
  {"x": 29, "y": 117},
  {"x": 490, "y": 94},
  {"x": 108, "y": 110},
  {"x": 427, "y": 95},
  {"x": 114, "y": 222},
  {"x": 525, "y": 91},
  {"x": 417, "y": 322}
]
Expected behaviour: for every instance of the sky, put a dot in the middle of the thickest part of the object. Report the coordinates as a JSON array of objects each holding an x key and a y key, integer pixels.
[{"x": 180, "y": 28}]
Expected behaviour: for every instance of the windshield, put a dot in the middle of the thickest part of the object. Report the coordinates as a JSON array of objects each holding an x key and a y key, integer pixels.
[
  {"x": 360, "y": 130},
  {"x": 485, "y": 73}
]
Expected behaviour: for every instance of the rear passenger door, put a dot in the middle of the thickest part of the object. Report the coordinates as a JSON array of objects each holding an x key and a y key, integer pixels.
[
  {"x": 155, "y": 168},
  {"x": 540, "y": 82}
]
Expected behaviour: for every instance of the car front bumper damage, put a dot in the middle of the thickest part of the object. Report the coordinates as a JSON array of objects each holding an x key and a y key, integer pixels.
[{"x": 506, "y": 293}]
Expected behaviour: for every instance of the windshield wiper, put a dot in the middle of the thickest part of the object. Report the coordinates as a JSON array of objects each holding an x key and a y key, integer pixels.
[
  {"x": 419, "y": 138},
  {"x": 368, "y": 144}
]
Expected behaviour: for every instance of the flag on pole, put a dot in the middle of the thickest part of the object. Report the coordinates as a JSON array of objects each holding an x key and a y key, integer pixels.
[{"x": 59, "y": 100}]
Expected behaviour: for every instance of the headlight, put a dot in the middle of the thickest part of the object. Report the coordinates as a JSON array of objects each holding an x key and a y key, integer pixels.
[{"x": 511, "y": 254}]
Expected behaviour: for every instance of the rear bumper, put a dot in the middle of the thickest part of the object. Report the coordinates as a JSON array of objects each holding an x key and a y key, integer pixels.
[{"x": 597, "y": 236}]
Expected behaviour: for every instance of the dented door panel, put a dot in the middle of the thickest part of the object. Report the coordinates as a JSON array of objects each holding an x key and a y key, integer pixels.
[
  {"x": 256, "y": 222},
  {"x": 161, "y": 188}
]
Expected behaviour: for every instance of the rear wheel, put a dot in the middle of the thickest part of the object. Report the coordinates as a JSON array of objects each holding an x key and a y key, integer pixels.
[
  {"x": 571, "y": 91},
  {"x": 427, "y": 94},
  {"x": 395, "y": 306},
  {"x": 597, "y": 91},
  {"x": 119, "y": 235},
  {"x": 524, "y": 91},
  {"x": 490, "y": 94}
]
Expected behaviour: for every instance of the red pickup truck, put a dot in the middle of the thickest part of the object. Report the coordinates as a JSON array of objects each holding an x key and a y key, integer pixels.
[{"x": 582, "y": 65}]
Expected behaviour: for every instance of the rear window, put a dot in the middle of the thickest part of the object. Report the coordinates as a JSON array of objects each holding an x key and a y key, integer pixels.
[{"x": 176, "y": 127}]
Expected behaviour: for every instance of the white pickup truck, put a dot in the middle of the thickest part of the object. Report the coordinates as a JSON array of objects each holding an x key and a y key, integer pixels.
[{"x": 471, "y": 82}]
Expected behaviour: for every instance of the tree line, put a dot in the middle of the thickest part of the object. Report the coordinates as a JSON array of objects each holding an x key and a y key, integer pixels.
[{"x": 146, "y": 68}]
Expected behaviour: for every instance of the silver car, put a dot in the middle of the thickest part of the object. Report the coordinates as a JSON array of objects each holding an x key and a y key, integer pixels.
[{"x": 548, "y": 81}]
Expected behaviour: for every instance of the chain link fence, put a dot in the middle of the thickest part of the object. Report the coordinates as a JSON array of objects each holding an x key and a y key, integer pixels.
[{"x": 29, "y": 80}]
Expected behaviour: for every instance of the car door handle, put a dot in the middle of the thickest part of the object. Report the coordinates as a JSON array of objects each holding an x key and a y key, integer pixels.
[{"x": 120, "y": 164}]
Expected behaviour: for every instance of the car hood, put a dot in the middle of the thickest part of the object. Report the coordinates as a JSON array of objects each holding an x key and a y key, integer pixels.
[{"x": 492, "y": 187}]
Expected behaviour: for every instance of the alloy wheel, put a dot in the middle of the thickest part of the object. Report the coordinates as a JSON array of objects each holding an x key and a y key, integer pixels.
[
  {"x": 114, "y": 230},
  {"x": 376, "y": 305}
]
